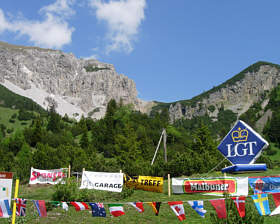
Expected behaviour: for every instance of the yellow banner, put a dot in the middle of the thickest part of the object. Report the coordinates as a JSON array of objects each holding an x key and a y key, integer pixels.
[{"x": 146, "y": 183}]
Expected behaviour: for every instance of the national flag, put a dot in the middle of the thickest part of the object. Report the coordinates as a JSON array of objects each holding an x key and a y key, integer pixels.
[
  {"x": 79, "y": 206},
  {"x": 116, "y": 209},
  {"x": 240, "y": 205},
  {"x": 97, "y": 209},
  {"x": 261, "y": 203},
  {"x": 276, "y": 198},
  {"x": 276, "y": 211},
  {"x": 41, "y": 207},
  {"x": 155, "y": 206},
  {"x": 178, "y": 208},
  {"x": 198, "y": 207},
  {"x": 220, "y": 207},
  {"x": 5, "y": 210},
  {"x": 21, "y": 206},
  {"x": 64, "y": 205},
  {"x": 138, "y": 205}
]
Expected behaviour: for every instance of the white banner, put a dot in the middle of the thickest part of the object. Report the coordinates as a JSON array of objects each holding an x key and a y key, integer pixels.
[
  {"x": 234, "y": 186},
  {"x": 102, "y": 181},
  {"x": 6, "y": 184},
  {"x": 47, "y": 176}
]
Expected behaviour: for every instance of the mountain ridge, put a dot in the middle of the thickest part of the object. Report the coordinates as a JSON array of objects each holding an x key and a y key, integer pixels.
[
  {"x": 236, "y": 94},
  {"x": 77, "y": 87}
]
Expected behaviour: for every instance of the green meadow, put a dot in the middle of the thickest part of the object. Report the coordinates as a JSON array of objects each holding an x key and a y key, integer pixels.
[{"x": 166, "y": 215}]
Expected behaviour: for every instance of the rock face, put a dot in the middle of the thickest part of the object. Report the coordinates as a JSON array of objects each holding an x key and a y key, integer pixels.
[
  {"x": 237, "y": 97},
  {"x": 75, "y": 86}
]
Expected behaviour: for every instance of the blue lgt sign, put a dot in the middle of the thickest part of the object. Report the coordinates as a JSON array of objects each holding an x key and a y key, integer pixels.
[{"x": 242, "y": 145}]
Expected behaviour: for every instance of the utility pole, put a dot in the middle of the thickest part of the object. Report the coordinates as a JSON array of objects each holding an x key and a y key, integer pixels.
[{"x": 164, "y": 135}]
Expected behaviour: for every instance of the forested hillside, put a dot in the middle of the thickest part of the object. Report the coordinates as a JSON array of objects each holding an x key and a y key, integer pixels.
[{"x": 123, "y": 140}]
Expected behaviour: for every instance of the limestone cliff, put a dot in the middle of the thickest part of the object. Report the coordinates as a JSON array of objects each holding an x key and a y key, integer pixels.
[
  {"x": 236, "y": 94},
  {"x": 76, "y": 86}
]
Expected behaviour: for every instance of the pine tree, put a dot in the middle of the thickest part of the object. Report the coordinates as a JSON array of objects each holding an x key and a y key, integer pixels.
[
  {"x": 54, "y": 121},
  {"x": 84, "y": 142}
]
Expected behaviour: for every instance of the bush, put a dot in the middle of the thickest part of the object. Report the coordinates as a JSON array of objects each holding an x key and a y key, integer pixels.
[
  {"x": 251, "y": 217},
  {"x": 12, "y": 120},
  {"x": 70, "y": 192},
  {"x": 10, "y": 130}
]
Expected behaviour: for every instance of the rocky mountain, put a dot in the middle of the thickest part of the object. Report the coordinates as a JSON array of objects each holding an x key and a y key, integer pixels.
[
  {"x": 75, "y": 86},
  {"x": 238, "y": 94}
]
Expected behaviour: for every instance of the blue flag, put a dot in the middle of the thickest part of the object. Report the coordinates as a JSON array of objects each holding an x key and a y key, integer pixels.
[
  {"x": 198, "y": 207},
  {"x": 261, "y": 203},
  {"x": 98, "y": 209}
]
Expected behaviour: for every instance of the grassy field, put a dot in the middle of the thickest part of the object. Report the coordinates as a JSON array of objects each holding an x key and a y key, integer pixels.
[
  {"x": 166, "y": 215},
  {"x": 6, "y": 114}
]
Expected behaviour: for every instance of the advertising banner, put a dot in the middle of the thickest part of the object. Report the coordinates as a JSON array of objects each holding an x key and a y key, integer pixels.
[
  {"x": 102, "y": 181},
  {"x": 234, "y": 186},
  {"x": 6, "y": 184},
  {"x": 242, "y": 145},
  {"x": 47, "y": 176},
  {"x": 146, "y": 183},
  {"x": 265, "y": 184}
]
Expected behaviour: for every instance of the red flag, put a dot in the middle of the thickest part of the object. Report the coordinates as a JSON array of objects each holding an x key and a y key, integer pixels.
[
  {"x": 220, "y": 206},
  {"x": 178, "y": 209},
  {"x": 41, "y": 207},
  {"x": 240, "y": 205},
  {"x": 276, "y": 198},
  {"x": 79, "y": 205}
]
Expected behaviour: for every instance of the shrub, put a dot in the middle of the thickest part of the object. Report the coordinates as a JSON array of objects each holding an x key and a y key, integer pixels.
[
  {"x": 211, "y": 108},
  {"x": 251, "y": 217},
  {"x": 12, "y": 120},
  {"x": 70, "y": 192},
  {"x": 10, "y": 130}
]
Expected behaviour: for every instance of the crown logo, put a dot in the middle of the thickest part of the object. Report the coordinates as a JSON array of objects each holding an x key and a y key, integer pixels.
[{"x": 240, "y": 135}]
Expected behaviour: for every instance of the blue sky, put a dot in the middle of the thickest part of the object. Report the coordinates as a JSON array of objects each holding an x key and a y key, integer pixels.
[{"x": 172, "y": 49}]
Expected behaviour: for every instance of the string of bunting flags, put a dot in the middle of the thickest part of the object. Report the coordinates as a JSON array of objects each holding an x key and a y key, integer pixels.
[{"x": 117, "y": 209}]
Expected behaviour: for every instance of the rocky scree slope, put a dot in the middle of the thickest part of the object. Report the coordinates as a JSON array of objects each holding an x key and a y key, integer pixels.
[{"x": 75, "y": 86}]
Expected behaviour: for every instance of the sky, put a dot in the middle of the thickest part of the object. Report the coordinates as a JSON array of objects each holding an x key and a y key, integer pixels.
[{"x": 172, "y": 49}]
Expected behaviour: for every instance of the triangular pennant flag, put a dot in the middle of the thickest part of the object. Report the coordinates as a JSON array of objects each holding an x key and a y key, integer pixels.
[
  {"x": 240, "y": 205},
  {"x": 275, "y": 211},
  {"x": 198, "y": 207},
  {"x": 79, "y": 206},
  {"x": 5, "y": 210},
  {"x": 64, "y": 205},
  {"x": 138, "y": 206},
  {"x": 276, "y": 198},
  {"x": 261, "y": 203},
  {"x": 97, "y": 209},
  {"x": 116, "y": 209},
  {"x": 155, "y": 206},
  {"x": 21, "y": 207},
  {"x": 178, "y": 209},
  {"x": 220, "y": 207},
  {"x": 55, "y": 203},
  {"x": 41, "y": 207}
]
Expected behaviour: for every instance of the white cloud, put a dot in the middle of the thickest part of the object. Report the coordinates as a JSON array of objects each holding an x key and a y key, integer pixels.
[
  {"x": 60, "y": 8},
  {"x": 94, "y": 56},
  {"x": 52, "y": 32},
  {"x": 123, "y": 19}
]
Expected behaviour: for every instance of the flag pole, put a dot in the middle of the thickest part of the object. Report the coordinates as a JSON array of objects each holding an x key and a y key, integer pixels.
[
  {"x": 15, "y": 205},
  {"x": 169, "y": 189}
]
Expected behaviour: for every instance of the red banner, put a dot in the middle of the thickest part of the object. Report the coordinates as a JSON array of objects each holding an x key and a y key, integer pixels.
[{"x": 211, "y": 185}]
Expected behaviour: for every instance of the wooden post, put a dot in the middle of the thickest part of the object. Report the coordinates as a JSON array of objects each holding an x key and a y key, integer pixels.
[
  {"x": 225, "y": 174},
  {"x": 69, "y": 171},
  {"x": 120, "y": 171},
  {"x": 169, "y": 189},
  {"x": 15, "y": 205},
  {"x": 84, "y": 169}
]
